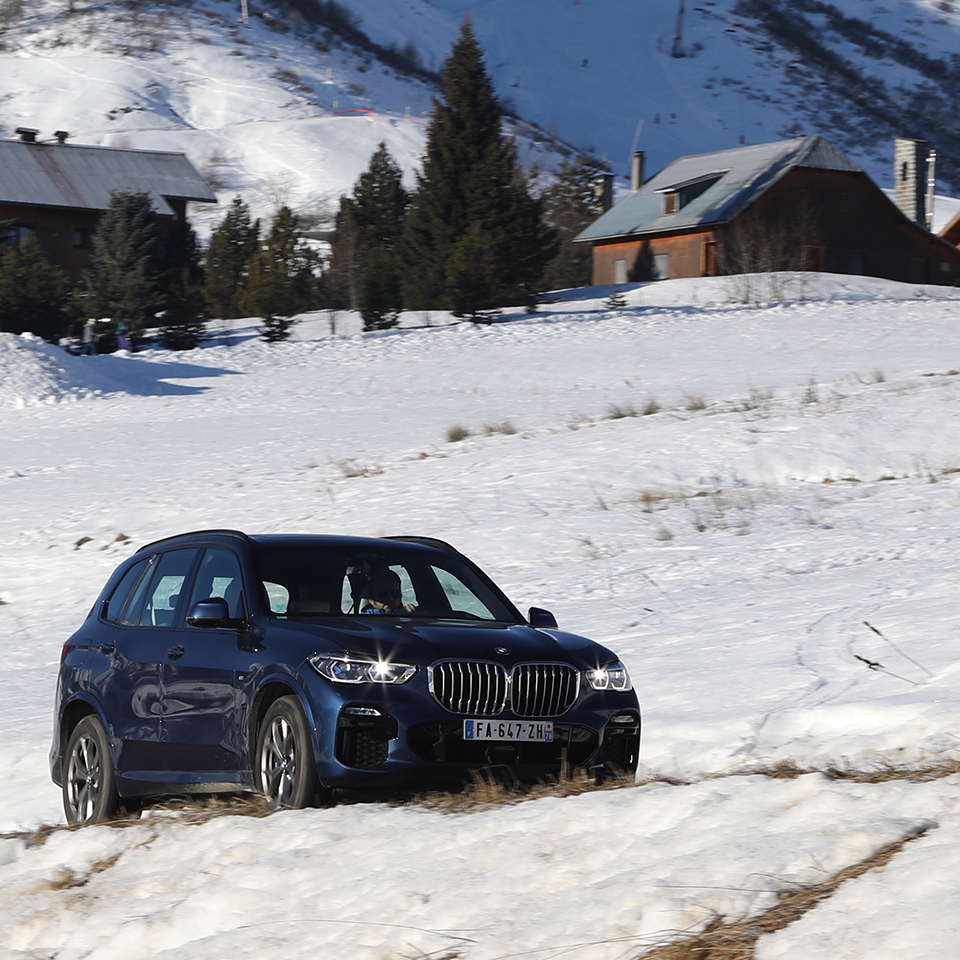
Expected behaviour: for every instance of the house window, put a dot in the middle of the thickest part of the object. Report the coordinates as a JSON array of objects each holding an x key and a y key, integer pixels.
[
  {"x": 620, "y": 271},
  {"x": 661, "y": 266},
  {"x": 671, "y": 203},
  {"x": 16, "y": 235},
  {"x": 79, "y": 237}
]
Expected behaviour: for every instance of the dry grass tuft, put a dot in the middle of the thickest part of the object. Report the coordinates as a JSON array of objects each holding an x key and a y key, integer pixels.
[
  {"x": 736, "y": 939},
  {"x": 694, "y": 402},
  {"x": 182, "y": 810},
  {"x": 620, "y": 411},
  {"x": 486, "y": 792},
  {"x": 650, "y": 407},
  {"x": 505, "y": 427},
  {"x": 456, "y": 433}
]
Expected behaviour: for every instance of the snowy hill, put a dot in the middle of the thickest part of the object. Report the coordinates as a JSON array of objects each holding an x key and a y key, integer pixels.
[
  {"x": 726, "y": 495},
  {"x": 268, "y": 109}
]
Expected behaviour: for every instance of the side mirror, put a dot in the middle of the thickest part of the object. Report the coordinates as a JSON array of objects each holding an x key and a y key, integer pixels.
[
  {"x": 542, "y": 618},
  {"x": 213, "y": 612}
]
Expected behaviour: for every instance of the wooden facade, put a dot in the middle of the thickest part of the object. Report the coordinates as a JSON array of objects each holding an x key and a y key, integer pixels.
[
  {"x": 824, "y": 220},
  {"x": 791, "y": 205},
  {"x": 59, "y": 191}
]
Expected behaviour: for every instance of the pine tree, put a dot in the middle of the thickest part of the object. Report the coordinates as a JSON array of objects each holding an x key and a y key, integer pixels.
[
  {"x": 122, "y": 279},
  {"x": 372, "y": 219},
  {"x": 232, "y": 245},
  {"x": 471, "y": 277},
  {"x": 471, "y": 176},
  {"x": 378, "y": 293},
  {"x": 32, "y": 292},
  {"x": 570, "y": 205},
  {"x": 280, "y": 282},
  {"x": 183, "y": 325}
]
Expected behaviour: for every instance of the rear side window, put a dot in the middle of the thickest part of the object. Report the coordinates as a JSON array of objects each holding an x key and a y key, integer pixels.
[
  {"x": 119, "y": 597},
  {"x": 160, "y": 598}
]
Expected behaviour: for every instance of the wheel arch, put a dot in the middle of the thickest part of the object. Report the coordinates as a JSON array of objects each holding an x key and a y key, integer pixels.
[{"x": 266, "y": 696}]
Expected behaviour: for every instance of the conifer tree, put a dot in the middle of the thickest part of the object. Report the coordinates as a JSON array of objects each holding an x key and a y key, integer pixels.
[
  {"x": 378, "y": 293},
  {"x": 183, "y": 325},
  {"x": 122, "y": 279},
  {"x": 370, "y": 220},
  {"x": 570, "y": 205},
  {"x": 32, "y": 292},
  {"x": 470, "y": 176},
  {"x": 232, "y": 245},
  {"x": 280, "y": 282}
]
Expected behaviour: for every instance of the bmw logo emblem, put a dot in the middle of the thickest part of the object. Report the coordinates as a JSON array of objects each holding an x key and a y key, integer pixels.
[{"x": 503, "y": 651}]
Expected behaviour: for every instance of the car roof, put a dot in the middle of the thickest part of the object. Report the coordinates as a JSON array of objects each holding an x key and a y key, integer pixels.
[{"x": 296, "y": 539}]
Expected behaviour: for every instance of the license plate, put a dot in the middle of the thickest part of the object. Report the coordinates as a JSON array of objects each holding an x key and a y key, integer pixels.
[{"x": 528, "y": 731}]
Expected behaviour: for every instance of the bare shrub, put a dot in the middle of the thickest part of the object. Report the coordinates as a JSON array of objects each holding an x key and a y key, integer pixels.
[
  {"x": 505, "y": 427},
  {"x": 618, "y": 411},
  {"x": 456, "y": 433}
]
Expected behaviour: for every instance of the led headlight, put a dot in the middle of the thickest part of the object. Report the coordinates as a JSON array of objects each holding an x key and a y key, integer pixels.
[
  {"x": 613, "y": 676},
  {"x": 351, "y": 670}
]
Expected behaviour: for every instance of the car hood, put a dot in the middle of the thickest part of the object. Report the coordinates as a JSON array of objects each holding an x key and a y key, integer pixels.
[{"x": 424, "y": 642}]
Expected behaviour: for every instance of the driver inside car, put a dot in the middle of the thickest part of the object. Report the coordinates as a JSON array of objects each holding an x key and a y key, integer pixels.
[{"x": 384, "y": 596}]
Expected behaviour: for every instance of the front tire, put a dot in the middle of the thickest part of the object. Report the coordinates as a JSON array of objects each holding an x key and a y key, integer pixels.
[
  {"x": 285, "y": 769},
  {"x": 89, "y": 784}
]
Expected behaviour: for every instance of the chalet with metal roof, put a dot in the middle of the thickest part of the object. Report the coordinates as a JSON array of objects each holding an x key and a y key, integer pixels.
[
  {"x": 795, "y": 204},
  {"x": 60, "y": 190}
]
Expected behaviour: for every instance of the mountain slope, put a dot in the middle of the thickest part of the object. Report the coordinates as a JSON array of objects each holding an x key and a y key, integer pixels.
[{"x": 260, "y": 107}]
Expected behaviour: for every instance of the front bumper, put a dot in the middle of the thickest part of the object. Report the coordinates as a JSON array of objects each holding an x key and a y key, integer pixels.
[{"x": 381, "y": 740}]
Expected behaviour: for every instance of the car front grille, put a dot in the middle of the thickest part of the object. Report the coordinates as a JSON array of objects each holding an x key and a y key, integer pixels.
[{"x": 482, "y": 689}]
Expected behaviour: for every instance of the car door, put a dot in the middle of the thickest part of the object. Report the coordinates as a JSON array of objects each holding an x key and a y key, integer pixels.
[
  {"x": 201, "y": 703},
  {"x": 126, "y": 664}
]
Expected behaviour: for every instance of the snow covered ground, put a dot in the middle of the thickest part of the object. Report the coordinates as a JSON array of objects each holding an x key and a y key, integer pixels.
[{"x": 799, "y": 479}]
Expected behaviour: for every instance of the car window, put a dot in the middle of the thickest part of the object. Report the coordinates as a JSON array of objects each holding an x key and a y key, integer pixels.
[
  {"x": 320, "y": 580},
  {"x": 219, "y": 576},
  {"x": 166, "y": 583},
  {"x": 118, "y": 599},
  {"x": 460, "y": 597}
]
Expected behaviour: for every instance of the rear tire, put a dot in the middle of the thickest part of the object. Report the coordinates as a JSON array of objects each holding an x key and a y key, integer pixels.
[
  {"x": 285, "y": 769},
  {"x": 89, "y": 784}
]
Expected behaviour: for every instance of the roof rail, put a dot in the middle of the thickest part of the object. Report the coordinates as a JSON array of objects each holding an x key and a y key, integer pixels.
[{"x": 224, "y": 532}]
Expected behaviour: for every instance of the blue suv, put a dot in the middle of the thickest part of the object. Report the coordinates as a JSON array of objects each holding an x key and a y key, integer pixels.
[{"x": 298, "y": 666}]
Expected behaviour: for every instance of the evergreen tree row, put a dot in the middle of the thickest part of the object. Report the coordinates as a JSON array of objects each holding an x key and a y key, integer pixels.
[{"x": 471, "y": 238}]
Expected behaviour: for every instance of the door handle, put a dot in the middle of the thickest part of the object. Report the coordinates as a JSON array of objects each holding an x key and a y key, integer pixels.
[
  {"x": 176, "y": 652},
  {"x": 107, "y": 648}
]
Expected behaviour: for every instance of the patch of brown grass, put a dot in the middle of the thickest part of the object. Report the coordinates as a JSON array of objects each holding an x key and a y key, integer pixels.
[
  {"x": 724, "y": 939},
  {"x": 487, "y": 792}
]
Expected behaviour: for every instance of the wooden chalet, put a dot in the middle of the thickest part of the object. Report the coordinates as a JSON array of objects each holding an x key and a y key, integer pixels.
[
  {"x": 796, "y": 204},
  {"x": 59, "y": 191}
]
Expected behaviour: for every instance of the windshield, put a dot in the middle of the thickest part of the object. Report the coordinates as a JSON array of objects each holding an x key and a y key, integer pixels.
[{"x": 320, "y": 580}]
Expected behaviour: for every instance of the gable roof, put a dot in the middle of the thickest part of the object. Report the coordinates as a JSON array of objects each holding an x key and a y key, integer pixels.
[
  {"x": 738, "y": 176},
  {"x": 67, "y": 175}
]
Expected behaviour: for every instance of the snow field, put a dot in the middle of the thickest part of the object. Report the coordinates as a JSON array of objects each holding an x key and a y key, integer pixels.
[{"x": 730, "y": 554}]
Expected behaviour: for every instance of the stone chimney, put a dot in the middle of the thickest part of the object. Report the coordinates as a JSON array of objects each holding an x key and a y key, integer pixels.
[
  {"x": 909, "y": 178},
  {"x": 636, "y": 170}
]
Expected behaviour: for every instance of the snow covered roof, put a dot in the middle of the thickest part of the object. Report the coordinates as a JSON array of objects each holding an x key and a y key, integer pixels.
[
  {"x": 67, "y": 175},
  {"x": 720, "y": 185}
]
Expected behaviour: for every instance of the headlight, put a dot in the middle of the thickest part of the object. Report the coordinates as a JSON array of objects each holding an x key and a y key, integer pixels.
[
  {"x": 349, "y": 670},
  {"x": 613, "y": 676}
]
